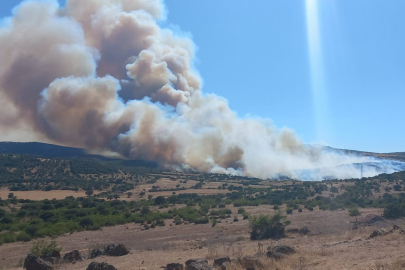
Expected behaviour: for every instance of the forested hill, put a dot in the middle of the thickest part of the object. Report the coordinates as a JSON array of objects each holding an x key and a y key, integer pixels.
[
  {"x": 45, "y": 150},
  {"x": 40, "y": 166},
  {"x": 42, "y": 150},
  {"x": 56, "y": 151}
]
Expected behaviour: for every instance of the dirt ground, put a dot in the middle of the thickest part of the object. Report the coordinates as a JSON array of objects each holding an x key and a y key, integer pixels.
[
  {"x": 332, "y": 245},
  {"x": 165, "y": 183},
  {"x": 37, "y": 195}
]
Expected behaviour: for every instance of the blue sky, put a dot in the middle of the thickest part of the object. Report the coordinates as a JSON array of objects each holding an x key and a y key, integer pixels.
[{"x": 256, "y": 54}]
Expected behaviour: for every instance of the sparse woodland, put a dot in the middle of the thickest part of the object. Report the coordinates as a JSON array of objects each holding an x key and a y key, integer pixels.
[{"x": 23, "y": 220}]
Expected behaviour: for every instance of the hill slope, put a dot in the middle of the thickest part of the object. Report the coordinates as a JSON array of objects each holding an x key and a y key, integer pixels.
[
  {"x": 42, "y": 150},
  {"x": 397, "y": 155},
  {"x": 46, "y": 150}
]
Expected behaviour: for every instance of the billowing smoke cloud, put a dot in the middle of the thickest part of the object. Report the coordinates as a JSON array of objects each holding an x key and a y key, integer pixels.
[{"x": 102, "y": 74}]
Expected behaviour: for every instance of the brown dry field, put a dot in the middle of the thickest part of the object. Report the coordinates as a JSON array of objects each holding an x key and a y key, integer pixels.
[
  {"x": 333, "y": 244},
  {"x": 165, "y": 183},
  {"x": 37, "y": 195}
]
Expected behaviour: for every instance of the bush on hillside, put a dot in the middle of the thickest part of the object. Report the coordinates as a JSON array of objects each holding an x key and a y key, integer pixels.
[
  {"x": 268, "y": 227},
  {"x": 42, "y": 247}
]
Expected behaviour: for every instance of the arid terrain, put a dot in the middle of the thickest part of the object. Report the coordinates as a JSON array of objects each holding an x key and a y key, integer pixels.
[
  {"x": 116, "y": 153},
  {"x": 332, "y": 244},
  {"x": 36, "y": 195},
  {"x": 170, "y": 217}
]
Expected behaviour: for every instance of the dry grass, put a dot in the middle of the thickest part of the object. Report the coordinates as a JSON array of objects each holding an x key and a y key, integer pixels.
[
  {"x": 335, "y": 247},
  {"x": 37, "y": 195}
]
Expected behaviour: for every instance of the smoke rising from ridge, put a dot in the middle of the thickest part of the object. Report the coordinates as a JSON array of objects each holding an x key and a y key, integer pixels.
[{"x": 102, "y": 75}]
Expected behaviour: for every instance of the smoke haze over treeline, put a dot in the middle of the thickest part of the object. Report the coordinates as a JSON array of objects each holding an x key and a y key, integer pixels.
[{"x": 104, "y": 76}]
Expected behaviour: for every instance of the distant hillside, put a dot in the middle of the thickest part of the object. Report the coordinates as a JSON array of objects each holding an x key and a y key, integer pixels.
[
  {"x": 42, "y": 150},
  {"x": 46, "y": 150},
  {"x": 64, "y": 168},
  {"x": 51, "y": 151},
  {"x": 397, "y": 155}
]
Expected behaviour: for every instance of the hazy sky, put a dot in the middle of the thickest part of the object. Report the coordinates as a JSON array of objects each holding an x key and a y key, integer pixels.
[{"x": 255, "y": 54}]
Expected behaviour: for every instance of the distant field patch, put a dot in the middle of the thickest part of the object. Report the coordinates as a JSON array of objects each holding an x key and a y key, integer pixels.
[{"x": 37, "y": 195}]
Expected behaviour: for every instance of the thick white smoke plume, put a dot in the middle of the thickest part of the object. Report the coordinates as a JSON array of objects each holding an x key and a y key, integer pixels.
[{"x": 102, "y": 74}]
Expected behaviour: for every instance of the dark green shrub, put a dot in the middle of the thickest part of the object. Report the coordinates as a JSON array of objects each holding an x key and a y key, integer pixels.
[
  {"x": 202, "y": 220},
  {"x": 47, "y": 207},
  {"x": 241, "y": 210},
  {"x": 145, "y": 210},
  {"x": 22, "y": 213},
  {"x": 86, "y": 222},
  {"x": 268, "y": 227},
  {"x": 160, "y": 222},
  {"x": 8, "y": 237},
  {"x": 47, "y": 215},
  {"x": 323, "y": 207},
  {"x": 6, "y": 220},
  {"x": 31, "y": 229},
  {"x": 102, "y": 209},
  {"x": 177, "y": 220},
  {"x": 334, "y": 190},
  {"x": 393, "y": 211},
  {"x": 160, "y": 200}
]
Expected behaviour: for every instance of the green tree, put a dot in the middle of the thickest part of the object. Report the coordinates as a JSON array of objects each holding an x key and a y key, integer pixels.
[
  {"x": 393, "y": 211},
  {"x": 160, "y": 200},
  {"x": 145, "y": 210},
  {"x": 268, "y": 227},
  {"x": 129, "y": 194},
  {"x": 86, "y": 222},
  {"x": 89, "y": 192},
  {"x": 31, "y": 229},
  {"x": 47, "y": 215},
  {"x": 354, "y": 212},
  {"x": 334, "y": 190}
]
